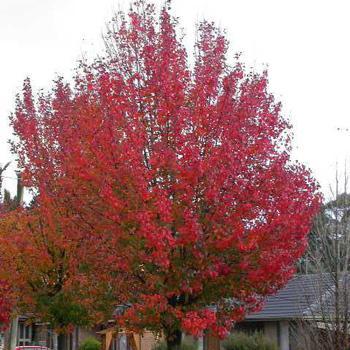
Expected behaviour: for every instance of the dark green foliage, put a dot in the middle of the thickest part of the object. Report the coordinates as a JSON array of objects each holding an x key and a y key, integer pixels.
[
  {"x": 90, "y": 344},
  {"x": 61, "y": 312},
  {"x": 9, "y": 203},
  {"x": 243, "y": 341}
]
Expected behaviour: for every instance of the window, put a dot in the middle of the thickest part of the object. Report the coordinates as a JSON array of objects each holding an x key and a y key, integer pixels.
[
  {"x": 120, "y": 343},
  {"x": 24, "y": 334}
]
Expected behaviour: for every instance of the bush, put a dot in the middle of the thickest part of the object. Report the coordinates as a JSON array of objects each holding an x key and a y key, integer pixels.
[
  {"x": 243, "y": 341},
  {"x": 90, "y": 344},
  {"x": 184, "y": 346}
]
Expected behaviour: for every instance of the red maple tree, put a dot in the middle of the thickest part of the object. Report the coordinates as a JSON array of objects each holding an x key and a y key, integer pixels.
[
  {"x": 6, "y": 304},
  {"x": 176, "y": 175}
]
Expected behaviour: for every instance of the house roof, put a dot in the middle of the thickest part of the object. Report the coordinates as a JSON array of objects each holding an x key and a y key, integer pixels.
[{"x": 299, "y": 298}]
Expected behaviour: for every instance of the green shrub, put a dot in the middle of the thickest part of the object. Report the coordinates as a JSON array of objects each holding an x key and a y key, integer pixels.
[
  {"x": 243, "y": 341},
  {"x": 159, "y": 346},
  {"x": 90, "y": 344},
  {"x": 184, "y": 346}
]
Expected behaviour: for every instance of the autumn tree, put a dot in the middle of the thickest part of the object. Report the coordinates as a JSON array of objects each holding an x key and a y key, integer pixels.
[
  {"x": 41, "y": 273},
  {"x": 6, "y": 296},
  {"x": 176, "y": 176},
  {"x": 43, "y": 266}
]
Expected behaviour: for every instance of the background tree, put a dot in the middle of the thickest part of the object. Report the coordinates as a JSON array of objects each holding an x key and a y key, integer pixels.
[
  {"x": 47, "y": 278},
  {"x": 6, "y": 296},
  {"x": 328, "y": 258},
  {"x": 177, "y": 177},
  {"x": 6, "y": 202},
  {"x": 41, "y": 274}
]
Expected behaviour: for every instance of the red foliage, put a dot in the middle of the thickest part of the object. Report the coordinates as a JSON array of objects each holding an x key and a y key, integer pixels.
[
  {"x": 178, "y": 177},
  {"x": 6, "y": 292},
  {"x": 6, "y": 304}
]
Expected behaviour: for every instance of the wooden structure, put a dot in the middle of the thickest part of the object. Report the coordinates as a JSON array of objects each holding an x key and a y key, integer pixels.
[{"x": 109, "y": 335}]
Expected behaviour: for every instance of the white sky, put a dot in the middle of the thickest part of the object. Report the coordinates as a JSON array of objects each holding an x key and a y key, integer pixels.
[{"x": 305, "y": 43}]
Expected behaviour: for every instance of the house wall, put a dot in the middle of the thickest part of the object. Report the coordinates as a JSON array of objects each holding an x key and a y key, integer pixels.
[
  {"x": 148, "y": 340},
  {"x": 270, "y": 330},
  {"x": 275, "y": 331},
  {"x": 82, "y": 334},
  {"x": 211, "y": 343},
  {"x": 41, "y": 335},
  {"x": 278, "y": 332}
]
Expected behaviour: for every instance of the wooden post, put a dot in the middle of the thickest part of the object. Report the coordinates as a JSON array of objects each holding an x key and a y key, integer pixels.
[
  {"x": 13, "y": 333},
  {"x": 134, "y": 341}
]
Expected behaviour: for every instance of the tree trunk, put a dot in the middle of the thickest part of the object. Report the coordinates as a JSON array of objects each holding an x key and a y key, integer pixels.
[{"x": 173, "y": 339}]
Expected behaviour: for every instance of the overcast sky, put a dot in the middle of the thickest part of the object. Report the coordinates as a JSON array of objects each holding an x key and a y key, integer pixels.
[{"x": 305, "y": 44}]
